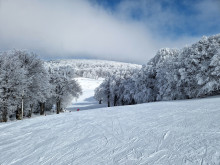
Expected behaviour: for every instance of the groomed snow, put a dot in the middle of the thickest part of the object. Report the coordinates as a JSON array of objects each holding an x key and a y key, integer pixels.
[{"x": 173, "y": 132}]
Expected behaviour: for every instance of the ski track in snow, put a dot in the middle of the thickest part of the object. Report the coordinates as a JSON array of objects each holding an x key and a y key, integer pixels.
[
  {"x": 86, "y": 100},
  {"x": 162, "y": 133}
]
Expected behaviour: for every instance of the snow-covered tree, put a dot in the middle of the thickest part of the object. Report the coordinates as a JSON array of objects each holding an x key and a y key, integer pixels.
[
  {"x": 13, "y": 81},
  {"x": 172, "y": 74},
  {"x": 39, "y": 89},
  {"x": 26, "y": 85},
  {"x": 112, "y": 90},
  {"x": 65, "y": 88},
  {"x": 103, "y": 92}
]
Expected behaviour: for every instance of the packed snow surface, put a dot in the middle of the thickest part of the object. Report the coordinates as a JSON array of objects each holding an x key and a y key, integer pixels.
[{"x": 172, "y": 132}]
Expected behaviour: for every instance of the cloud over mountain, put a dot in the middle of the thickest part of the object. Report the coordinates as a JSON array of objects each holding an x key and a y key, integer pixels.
[{"x": 86, "y": 29}]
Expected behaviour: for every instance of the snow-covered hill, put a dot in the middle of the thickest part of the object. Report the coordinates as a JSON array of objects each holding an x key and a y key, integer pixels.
[
  {"x": 91, "y": 62},
  {"x": 91, "y": 68},
  {"x": 172, "y": 132},
  {"x": 86, "y": 100}
]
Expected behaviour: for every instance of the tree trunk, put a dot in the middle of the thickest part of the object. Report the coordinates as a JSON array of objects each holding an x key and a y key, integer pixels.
[
  {"x": 115, "y": 100},
  {"x": 133, "y": 102},
  {"x": 100, "y": 101},
  {"x": 30, "y": 111},
  {"x": 122, "y": 102},
  {"x": 42, "y": 105},
  {"x": 18, "y": 113},
  {"x": 58, "y": 106},
  {"x": 44, "y": 108},
  {"x": 4, "y": 114},
  {"x": 4, "y": 107},
  {"x": 108, "y": 101}
]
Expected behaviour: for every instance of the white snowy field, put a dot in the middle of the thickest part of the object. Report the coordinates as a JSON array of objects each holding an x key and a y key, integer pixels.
[
  {"x": 160, "y": 133},
  {"x": 86, "y": 100}
]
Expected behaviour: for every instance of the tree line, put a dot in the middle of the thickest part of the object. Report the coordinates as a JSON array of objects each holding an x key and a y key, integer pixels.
[
  {"x": 27, "y": 86},
  {"x": 173, "y": 74},
  {"x": 91, "y": 68}
]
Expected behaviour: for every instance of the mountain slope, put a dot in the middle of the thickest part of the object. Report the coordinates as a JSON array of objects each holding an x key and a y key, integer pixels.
[
  {"x": 86, "y": 100},
  {"x": 173, "y": 132}
]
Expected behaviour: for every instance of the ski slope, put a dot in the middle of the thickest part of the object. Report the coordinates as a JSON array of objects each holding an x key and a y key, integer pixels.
[
  {"x": 161, "y": 133},
  {"x": 86, "y": 100}
]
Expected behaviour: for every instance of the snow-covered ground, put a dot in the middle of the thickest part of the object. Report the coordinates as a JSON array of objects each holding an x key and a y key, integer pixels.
[
  {"x": 86, "y": 100},
  {"x": 161, "y": 133}
]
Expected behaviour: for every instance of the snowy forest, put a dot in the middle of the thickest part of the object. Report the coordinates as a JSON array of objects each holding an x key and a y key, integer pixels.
[
  {"x": 92, "y": 68},
  {"x": 30, "y": 85},
  {"x": 27, "y": 86},
  {"x": 191, "y": 72}
]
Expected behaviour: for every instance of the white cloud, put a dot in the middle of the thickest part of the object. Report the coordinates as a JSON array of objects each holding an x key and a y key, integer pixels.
[{"x": 78, "y": 28}]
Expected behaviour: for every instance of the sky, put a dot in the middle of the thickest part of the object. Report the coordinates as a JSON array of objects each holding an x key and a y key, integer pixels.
[{"x": 120, "y": 30}]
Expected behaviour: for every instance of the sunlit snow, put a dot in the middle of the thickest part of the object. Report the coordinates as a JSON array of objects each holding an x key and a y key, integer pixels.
[
  {"x": 86, "y": 100},
  {"x": 172, "y": 132}
]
